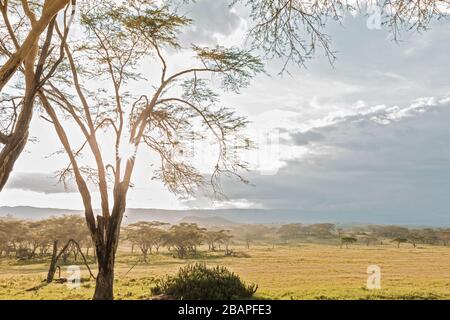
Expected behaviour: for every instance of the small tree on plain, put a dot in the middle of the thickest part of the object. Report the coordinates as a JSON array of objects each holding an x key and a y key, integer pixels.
[{"x": 348, "y": 240}]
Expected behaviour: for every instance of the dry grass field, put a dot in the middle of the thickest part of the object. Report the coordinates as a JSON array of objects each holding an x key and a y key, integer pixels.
[{"x": 304, "y": 271}]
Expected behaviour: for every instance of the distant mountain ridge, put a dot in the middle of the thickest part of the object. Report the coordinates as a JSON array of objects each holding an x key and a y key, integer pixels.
[
  {"x": 269, "y": 216},
  {"x": 215, "y": 221},
  {"x": 33, "y": 213}
]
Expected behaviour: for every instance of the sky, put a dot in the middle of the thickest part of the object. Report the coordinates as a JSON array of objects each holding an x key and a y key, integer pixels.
[{"x": 368, "y": 134}]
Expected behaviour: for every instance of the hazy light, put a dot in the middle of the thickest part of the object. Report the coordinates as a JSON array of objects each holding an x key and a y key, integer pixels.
[{"x": 127, "y": 151}]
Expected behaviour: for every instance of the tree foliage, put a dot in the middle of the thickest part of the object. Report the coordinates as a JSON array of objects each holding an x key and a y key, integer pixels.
[
  {"x": 31, "y": 239},
  {"x": 35, "y": 62},
  {"x": 293, "y": 30},
  {"x": 146, "y": 235}
]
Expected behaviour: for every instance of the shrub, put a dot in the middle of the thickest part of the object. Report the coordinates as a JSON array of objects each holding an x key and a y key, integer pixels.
[{"x": 197, "y": 282}]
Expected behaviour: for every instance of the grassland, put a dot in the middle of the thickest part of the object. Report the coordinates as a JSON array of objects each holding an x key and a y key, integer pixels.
[{"x": 304, "y": 271}]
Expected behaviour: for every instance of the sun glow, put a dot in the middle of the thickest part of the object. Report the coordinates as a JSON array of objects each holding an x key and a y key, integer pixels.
[{"x": 127, "y": 151}]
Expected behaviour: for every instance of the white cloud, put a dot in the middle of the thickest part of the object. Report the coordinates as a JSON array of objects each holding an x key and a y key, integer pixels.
[{"x": 360, "y": 167}]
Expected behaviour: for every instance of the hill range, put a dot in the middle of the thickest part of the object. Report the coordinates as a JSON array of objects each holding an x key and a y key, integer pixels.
[{"x": 227, "y": 217}]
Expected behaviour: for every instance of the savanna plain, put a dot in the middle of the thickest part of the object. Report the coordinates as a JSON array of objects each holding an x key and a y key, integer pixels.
[{"x": 282, "y": 271}]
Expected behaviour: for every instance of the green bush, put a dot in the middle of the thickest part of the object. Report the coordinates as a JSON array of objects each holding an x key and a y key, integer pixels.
[{"x": 198, "y": 282}]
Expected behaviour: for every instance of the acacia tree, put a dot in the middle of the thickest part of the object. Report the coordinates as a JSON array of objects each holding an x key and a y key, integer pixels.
[
  {"x": 444, "y": 235},
  {"x": 217, "y": 237},
  {"x": 178, "y": 108},
  {"x": 347, "y": 240},
  {"x": 288, "y": 29},
  {"x": 16, "y": 235},
  {"x": 15, "y": 238},
  {"x": 185, "y": 238},
  {"x": 252, "y": 232},
  {"x": 290, "y": 231},
  {"x": 60, "y": 230},
  {"x": 37, "y": 25},
  {"x": 36, "y": 63},
  {"x": 227, "y": 240},
  {"x": 146, "y": 235},
  {"x": 294, "y": 30},
  {"x": 27, "y": 238}
]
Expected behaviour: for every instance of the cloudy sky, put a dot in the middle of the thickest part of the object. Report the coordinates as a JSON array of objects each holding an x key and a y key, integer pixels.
[{"x": 369, "y": 134}]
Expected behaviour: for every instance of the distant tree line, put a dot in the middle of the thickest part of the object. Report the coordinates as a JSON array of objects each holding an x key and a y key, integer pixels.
[
  {"x": 330, "y": 233},
  {"x": 27, "y": 240},
  {"x": 183, "y": 239},
  {"x": 371, "y": 234}
]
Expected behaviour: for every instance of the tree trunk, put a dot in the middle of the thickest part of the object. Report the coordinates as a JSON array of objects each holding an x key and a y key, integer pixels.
[
  {"x": 145, "y": 256},
  {"x": 107, "y": 247},
  {"x": 52, "y": 269},
  {"x": 11, "y": 152},
  {"x": 104, "y": 287},
  {"x": 27, "y": 53}
]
